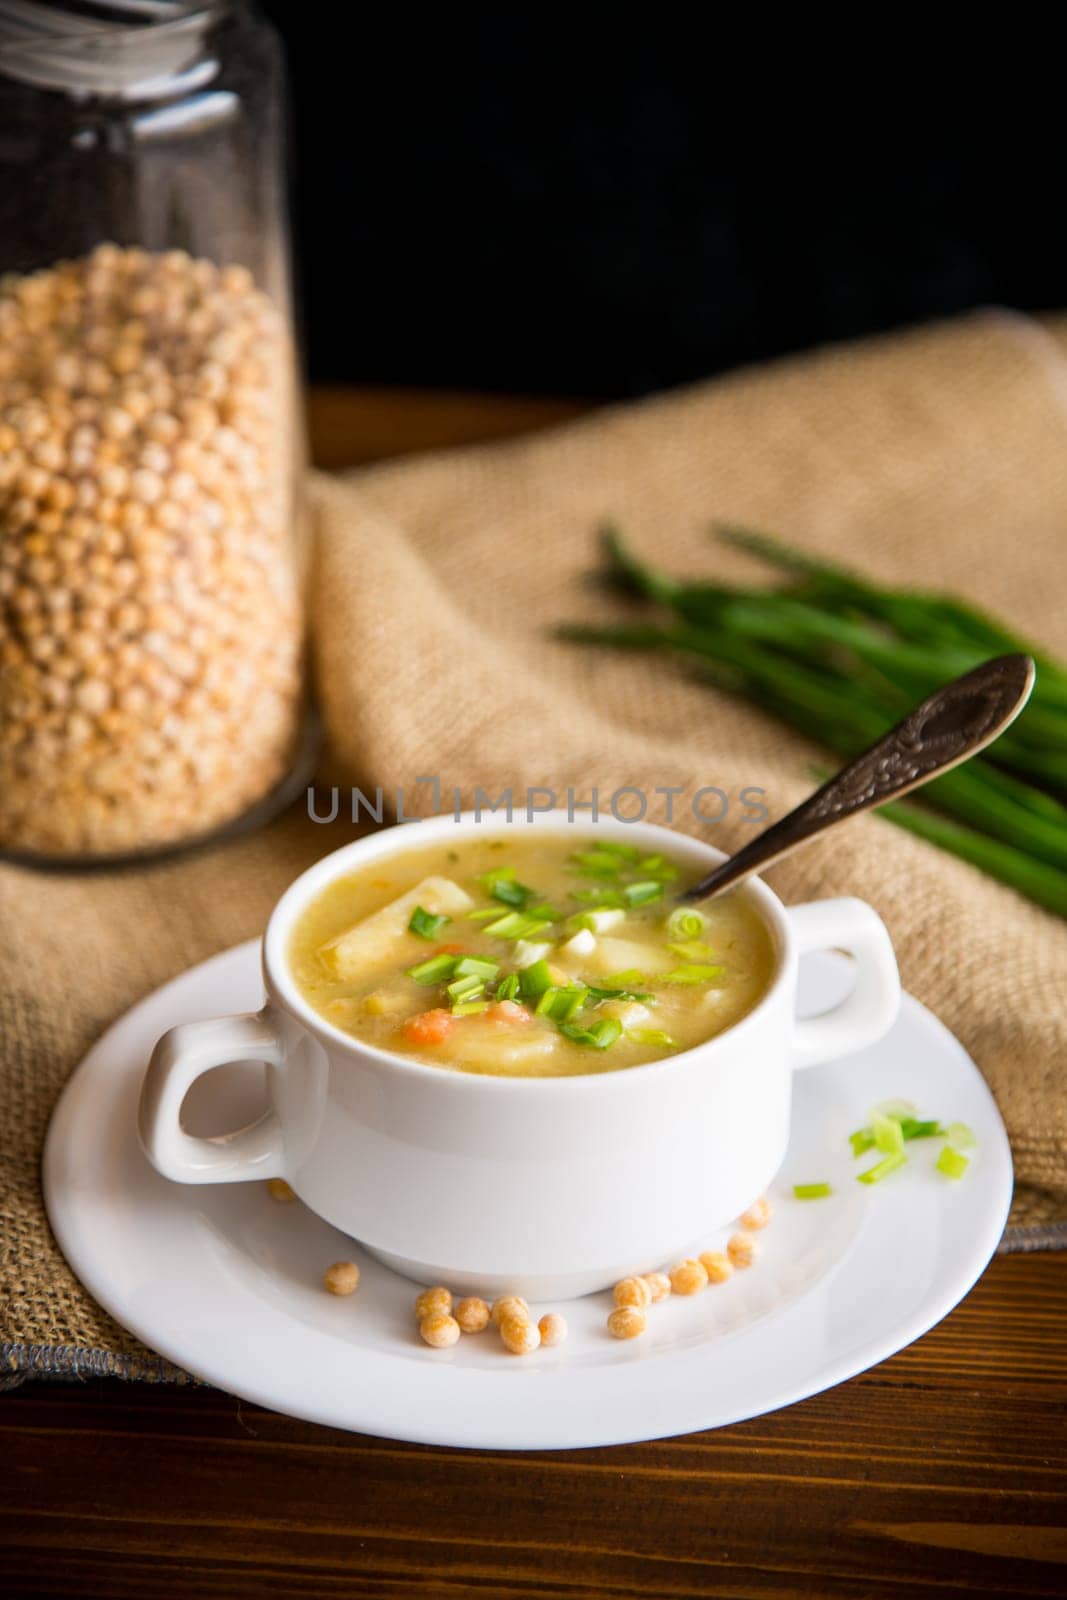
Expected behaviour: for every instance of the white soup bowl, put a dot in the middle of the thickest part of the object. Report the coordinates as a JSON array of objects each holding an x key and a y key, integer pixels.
[{"x": 547, "y": 1187}]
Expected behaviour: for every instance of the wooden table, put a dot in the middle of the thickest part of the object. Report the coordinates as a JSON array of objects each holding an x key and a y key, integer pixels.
[{"x": 940, "y": 1472}]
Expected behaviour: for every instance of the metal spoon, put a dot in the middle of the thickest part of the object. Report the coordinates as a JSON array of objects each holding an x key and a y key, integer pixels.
[{"x": 955, "y": 722}]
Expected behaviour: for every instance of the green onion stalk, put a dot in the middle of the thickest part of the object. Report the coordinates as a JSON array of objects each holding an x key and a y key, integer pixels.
[{"x": 842, "y": 659}]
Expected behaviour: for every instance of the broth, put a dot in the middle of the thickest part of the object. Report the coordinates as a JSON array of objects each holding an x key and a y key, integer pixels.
[{"x": 529, "y": 955}]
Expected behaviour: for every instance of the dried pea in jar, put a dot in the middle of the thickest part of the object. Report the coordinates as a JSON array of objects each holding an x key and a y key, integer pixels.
[{"x": 151, "y": 674}]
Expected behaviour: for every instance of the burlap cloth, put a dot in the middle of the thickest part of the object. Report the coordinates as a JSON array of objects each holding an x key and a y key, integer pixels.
[{"x": 937, "y": 457}]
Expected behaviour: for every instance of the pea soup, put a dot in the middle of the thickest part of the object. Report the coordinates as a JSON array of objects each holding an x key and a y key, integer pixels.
[{"x": 529, "y": 955}]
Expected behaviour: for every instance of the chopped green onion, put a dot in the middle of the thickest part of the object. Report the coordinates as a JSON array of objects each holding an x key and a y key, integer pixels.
[
  {"x": 483, "y": 914},
  {"x": 466, "y": 988},
  {"x": 425, "y": 924},
  {"x": 433, "y": 971},
  {"x": 692, "y": 974},
  {"x": 511, "y": 893},
  {"x": 953, "y": 1163},
  {"x": 685, "y": 923},
  {"x": 508, "y": 987},
  {"x": 560, "y": 1004},
  {"x": 469, "y": 1008},
  {"x": 603, "y": 898},
  {"x": 812, "y": 1191},
  {"x": 535, "y": 980},
  {"x": 575, "y": 997},
  {"x": 476, "y": 966},
  {"x": 594, "y": 921},
  {"x": 652, "y": 1036},
  {"x": 621, "y": 994},
  {"x": 642, "y": 894},
  {"x": 599, "y": 1037},
  {"x": 597, "y": 863},
  {"x": 891, "y": 1126},
  {"x": 692, "y": 950},
  {"x": 894, "y": 1108},
  {"x": 960, "y": 1136},
  {"x": 495, "y": 875},
  {"x": 627, "y": 979},
  {"x": 516, "y": 925},
  {"x": 510, "y": 926},
  {"x": 611, "y": 847},
  {"x": 911, "y": 1128},
  {"x": 658, "y": 867},
  {"x": 861, "y": 1140},
  {"x": 888, "y": 1135},
  {"x": 883, "y": 1168}
]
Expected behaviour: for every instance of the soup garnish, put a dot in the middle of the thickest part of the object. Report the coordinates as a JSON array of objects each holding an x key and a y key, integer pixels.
[{"x": 529, "y": 956}]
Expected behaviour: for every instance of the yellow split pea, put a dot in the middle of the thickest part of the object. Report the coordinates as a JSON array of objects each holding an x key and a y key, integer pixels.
[
  {"x": 689, "y": 1276},
  {"x": 434, "y": 1302},
  {"x": 342, "y": 1278},
  {"x": 717, "y": 1265},
  {"x": 472, "y": 1314},
  {"x": 742, "y": 1250},
  {"x": 552, "y": 1328},
  {"x": 520, "y": 1335},
  {"x": 632, "y": 1292},
  {"x": 439, "y": 1330},
  {"x": 508, "y": 1305},
  {"x": 757, "y": 1216},
  {"x": 627, "y": 1322}
]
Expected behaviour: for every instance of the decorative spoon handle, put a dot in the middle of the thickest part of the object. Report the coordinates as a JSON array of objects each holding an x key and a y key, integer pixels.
[{"x": 955, "y": 722}]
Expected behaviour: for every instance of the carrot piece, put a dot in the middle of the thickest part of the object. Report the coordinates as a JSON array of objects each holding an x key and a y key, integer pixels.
[
  {"x": 450, "y": 950},
  {"x": 508, "y": 1011},
  {"x": 429, "y": 1027}
]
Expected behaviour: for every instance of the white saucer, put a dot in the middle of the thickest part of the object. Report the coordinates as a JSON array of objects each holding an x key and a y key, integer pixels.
[{"x": 226, "y": 1282}]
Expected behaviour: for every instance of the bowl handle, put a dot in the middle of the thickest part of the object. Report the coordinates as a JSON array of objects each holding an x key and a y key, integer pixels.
[
  {"x": 870, "y": 1008},
  {"x": 180, "y": 1057}
]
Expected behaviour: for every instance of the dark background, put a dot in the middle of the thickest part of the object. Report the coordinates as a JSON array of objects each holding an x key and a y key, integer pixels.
[{"x": 509, "y": 206}]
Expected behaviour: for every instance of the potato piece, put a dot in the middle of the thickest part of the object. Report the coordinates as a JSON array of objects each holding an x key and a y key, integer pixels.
[
  {"x": 348, "y": 1011},
  {"x": 344, "y": 1012},
  {"x": 382, "y": 938},
  {"x": 626, "y": 955},
  {"x": 383, "y": 1003},
  {"x": 631, "y": 1013},
  {"x": 606, "y": 917},
  {"x": 525, "y": 954},
  {"x": 504, "y": 1046}
]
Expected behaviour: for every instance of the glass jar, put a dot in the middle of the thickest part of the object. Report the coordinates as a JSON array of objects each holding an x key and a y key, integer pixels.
[{"x": 151, "y": 444}]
